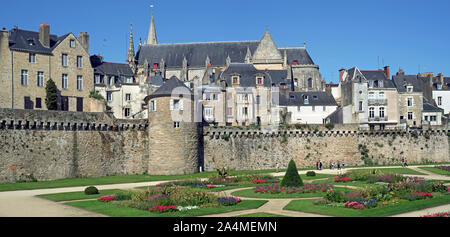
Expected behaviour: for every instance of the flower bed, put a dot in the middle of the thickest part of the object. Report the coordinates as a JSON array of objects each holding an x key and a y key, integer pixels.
[
  {"x": 307, "y": 188},
  {"x": 342, "y": 179},
  {"x": 161, "y": 209},
  {"x": 259, "y": 181},
  {"x": 446, "y": 168},
  {"x": 106, "y": 198},
  {"x": 228, "y": 201},
  {"x": 439, "y": 214}
]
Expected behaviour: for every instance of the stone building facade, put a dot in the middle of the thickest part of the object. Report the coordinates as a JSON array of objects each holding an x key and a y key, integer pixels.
[{"x": 29, "y": 59}]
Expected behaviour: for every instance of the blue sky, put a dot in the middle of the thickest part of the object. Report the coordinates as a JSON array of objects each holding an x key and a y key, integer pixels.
[{"x": 413, "y": 35}]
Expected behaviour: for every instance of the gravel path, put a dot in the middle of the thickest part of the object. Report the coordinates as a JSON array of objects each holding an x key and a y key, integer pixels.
[{"x": 25, "y": 203}]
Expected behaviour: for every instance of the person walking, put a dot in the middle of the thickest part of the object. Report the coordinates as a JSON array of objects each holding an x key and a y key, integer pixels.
[
  {"x": 339, "y": 165},
  {"x": 406, "y": 162},
  {"x": 317, "y": 165},
  {"x": 277, "y": 167},
  {"x": 343, "y": 164},
  {"x": 403, "y": 161},
  {"x": 320, "y": 165}
]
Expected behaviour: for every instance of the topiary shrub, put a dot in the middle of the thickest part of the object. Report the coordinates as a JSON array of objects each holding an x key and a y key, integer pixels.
[
  {"x": 291, "y": 178},
  {"x": 310, "y": 173},
  {"x": 91, "y": 190}
]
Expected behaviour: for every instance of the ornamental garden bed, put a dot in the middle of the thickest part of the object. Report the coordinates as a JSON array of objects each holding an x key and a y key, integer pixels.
[
  {"x": 408, "y": 194},
  {"x": 275, "y": 191}
]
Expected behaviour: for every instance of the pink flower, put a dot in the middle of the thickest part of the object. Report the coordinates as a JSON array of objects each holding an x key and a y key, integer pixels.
[{"x": 106, "y": 198}]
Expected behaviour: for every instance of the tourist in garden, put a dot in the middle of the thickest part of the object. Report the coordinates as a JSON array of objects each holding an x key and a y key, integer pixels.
[
  {"x": 277, "y": 167},
  {"x": 317, "y": 165},
  {"x": 403, "y": 162},
  {"x": 320, "y": 165},
  {"x": 343, "y": 164},
  {"x": 339, "y": 165},
  {"x": 406, "y": 162}
]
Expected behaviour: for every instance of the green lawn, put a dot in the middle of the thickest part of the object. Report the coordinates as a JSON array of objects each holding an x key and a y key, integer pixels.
[
  {"x": 395, "y": 170},
  {"x": 350, "y": 183},
  {"x": 261, "y": 214},
  {"x": 436, "y": 170},
  {"x": 308, "y": 206},
  {"x": 251, "y": 194},
  {"x": 120, "y": 211},
  {"x": 69, "y": 196}
]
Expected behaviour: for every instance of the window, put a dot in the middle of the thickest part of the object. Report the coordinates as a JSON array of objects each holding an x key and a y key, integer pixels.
[
  {"x": 72, "y": 43},
  {"x": 295, "y": 82},
  {"x": 207, "y": 96},
  {"x": 30, "y": 42},
  {"x": 310, "y": 83},
  {"x": 38, "y": 103},
  {"x": 410, "y": 115},
  {"x": 360, "y": 106},
  {"x": 235, "y": 80},
  {"x": 97, "y": 79},
  {"x": 371, "y": 95},
  {"x": 109, "y": 96},
  {"x": 229, "y": 111},
  {"x": 208, "y": 112},
  {"x": 32, "y": 58},
  {"x": 64, "y": 81},
  {"x": 79, "y": 61},
  {"x": 176, "y": 124},
  {"x": 380, "y": 84},
  {"x": 215, "y": 96},
  {"x": 129, "y": 80},
  {"x": 432, "y": 118},
  {"x": 176, "y": 104},
  {"x": 24, "y": 77},
  {"x": 305, "y": 100},
  {"x": 79, "y": 83},
  {"x": 439, "y": 100},
  {"x": 401, "y": 116},
  {"x": 381, "y": 110},
  {"x": 244, "y": 111},
  {"x": 40, "y": 79},
  {"x": 128, "y": 97},
  {"x": 371, "y": 112},
  {"x": 426, "y": 118},
  {"x": 409, "y": 89},
  {"x": 381, "y": 96},
  {"x": 64, "y": 60},
  {"x": 154, "y": 105},
  {"x": 259, "y": 80},
  {"x": 410, "y": 102},
  {"x": 258, "y": 99},
  {"x": 244, "y": 97},
  {"x": 127, "y": 112}
]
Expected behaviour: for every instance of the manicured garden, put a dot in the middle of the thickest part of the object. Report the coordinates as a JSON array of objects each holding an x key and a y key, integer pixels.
[{"x": 438, "y": 169}]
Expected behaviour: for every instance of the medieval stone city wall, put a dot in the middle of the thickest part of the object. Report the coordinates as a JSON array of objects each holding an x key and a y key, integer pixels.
[
  {"x": 255, "y": 149},
  {"x": 48, "y": 145}
]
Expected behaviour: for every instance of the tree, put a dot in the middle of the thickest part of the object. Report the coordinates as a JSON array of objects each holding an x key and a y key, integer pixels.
[
  {"x": 51, "y": 99},
  {"x": 291, "y": 178}
]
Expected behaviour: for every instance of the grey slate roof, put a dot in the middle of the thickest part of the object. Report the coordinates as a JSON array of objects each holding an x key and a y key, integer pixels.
[
  {"x": 167, "y": 87},
  {"x": 19, "y": 40},
  {"x": 113, "y": 69},
  {"x": 247, "y": 74},
  {"x": 154, "y": 80},
  {"x": 316, "y": 98},
  {"x": 400, "y": 82},
  {"x": 378, "y": 75},
  {"x": 427, "y": 107},
  {"x": 196, "y": 53}
]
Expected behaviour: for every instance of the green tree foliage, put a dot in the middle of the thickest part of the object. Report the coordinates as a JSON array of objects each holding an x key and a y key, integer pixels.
[
  {"x": 51, "y": 99},
  {"x": 291, "y": 178}
]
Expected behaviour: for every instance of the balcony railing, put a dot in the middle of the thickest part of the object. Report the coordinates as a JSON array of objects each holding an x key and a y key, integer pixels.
[
  {"x": 377, "y": 118},
  {"x": 377, "y": 101}
]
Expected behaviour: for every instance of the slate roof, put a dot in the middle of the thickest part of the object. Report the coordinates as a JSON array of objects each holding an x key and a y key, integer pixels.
[
  {"x": 427, "y": 107},
  {"x": 400, "y": 82},
  {"x": 113, "y": 69},
  {"x": 19, "y": 41},
  {"x": 154, "y": 80},
  {"x": 167, "y": 87},
  {"x": 378, "y": 75},
  {"x": 196, "y": 53},
  {"x": 247, "y": 74},
  {"x": 316, "y": 98}
]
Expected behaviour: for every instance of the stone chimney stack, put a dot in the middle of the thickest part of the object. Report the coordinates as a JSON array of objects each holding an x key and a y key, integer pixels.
[
  {"x": 400, "y": 72},
  {"x": 44, "y": 34},
  {"x": 386, "y": 72},
  {"x": 441, "y": 78},
  {"x": 83, "y": 37},
  {"x": 341, "y": 75}
]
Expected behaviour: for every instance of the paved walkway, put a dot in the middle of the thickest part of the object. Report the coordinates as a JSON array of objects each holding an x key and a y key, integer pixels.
[{"x": 26, "y": 204}]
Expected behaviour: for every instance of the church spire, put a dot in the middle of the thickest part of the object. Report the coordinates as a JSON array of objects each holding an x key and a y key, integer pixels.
[
  {"x": 151, "y": 39},
  {"x": 130, "y": 57}
]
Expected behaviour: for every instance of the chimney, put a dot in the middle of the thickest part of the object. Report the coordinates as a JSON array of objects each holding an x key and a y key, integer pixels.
[
  {"x": 400, "y": 72},
  {"x": 386, "y": 72},
  {"x": 441, "y": 78},
  {"x": 83, "y": 37},
  {"x": 341, "y": 75},
  {"x": 44, "y": 34}
]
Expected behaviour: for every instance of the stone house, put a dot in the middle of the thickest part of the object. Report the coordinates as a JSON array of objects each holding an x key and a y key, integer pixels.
[
  {"x": 410, "y": 99},
  {"x": 28, "y": 59}
]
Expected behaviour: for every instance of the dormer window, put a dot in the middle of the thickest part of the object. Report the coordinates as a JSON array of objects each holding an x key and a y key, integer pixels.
[
  {"x": 380, "y": 84},
  {"x": 259, "y": 80},
  {"x": 409, "y": 89},
  {"x": 235, "y": 80},
  {"x": 30, "y": 42},
  {"x": 305, "y": 99}
]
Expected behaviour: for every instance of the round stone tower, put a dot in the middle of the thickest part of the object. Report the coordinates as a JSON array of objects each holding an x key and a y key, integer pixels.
[{"x": 174, "y": 137}]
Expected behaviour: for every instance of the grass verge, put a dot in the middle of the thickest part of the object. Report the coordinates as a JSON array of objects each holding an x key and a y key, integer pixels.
[
  {"x": 69, "y": 196},
  {"x": 436, "y": 170},
  {"x": 120, "y": 211},
  {"x": 251, "y": 194}
]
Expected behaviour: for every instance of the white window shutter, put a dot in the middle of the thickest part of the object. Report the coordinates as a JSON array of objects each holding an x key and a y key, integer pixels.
[
  {"x": 155, "y": 104},
  {"x": 181, "y": 104},
  {"x": 171, "y": 104}
]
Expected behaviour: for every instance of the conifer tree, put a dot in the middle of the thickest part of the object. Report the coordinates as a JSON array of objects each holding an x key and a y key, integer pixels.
[
  {"x": 51, "y": 99},
  {"x": 291, "y": 178}
]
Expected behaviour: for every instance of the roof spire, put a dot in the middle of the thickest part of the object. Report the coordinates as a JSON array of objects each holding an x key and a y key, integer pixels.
[
  {"x": 130, "y": 57},
  {"x": 151, "y": 39}
]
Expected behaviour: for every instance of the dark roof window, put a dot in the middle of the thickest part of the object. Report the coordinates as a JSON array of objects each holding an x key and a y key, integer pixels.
[{"x": 30, "y": 42}]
